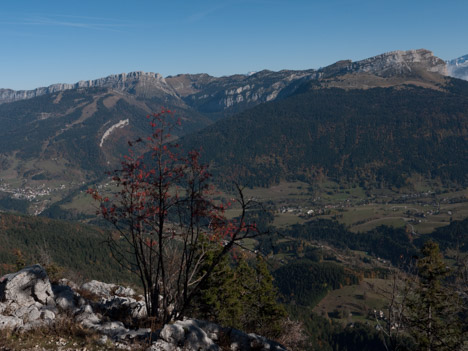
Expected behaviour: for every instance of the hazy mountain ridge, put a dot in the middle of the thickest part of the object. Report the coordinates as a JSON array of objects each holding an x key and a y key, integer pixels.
[
  {"x": 458, "y": 68},
  {"x": 263, "y": 86}
]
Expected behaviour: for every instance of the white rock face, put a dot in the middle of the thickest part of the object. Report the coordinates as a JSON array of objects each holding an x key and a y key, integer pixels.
[
  {"x": 401, "y": 62},
  {"x": 27, "y": 286},
  {"x": 109, "y": 131},
  {"x": 118, "y": 82}
]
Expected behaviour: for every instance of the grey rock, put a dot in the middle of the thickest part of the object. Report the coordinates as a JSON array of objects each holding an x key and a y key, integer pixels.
[
  {"x": 47, "y": 314},
  {"x": 103, "y": 340},
  {"x": 87, "y": 309},
  {"x": 38, "y": 323},
  {"x": 189, "y": 334},
  {"x": 161, "y": 345},
  {"x": 82, "y": 301},
  {"x": 88, "y": 319},
  {"x": 98, "y": 288},
  {"x": 212, "y": 330},
  {"x": 10, "y": 322},
  {"x": 65, "y": 303},
  {"x": 122, "y": 346},
  {"x": 65, "y": 297},
  {"x": 239, "y": 341},
  {"x": 27, "y": 286},
  {"x": 66, "y": 283},
  {"x": 258, "y": 342},
  {"x": 107, "y": 290},
  {"x": 196, "y": 334},
  {"x": 28, "y": 313},
  {"x": 115, "y": 330},
  {"x": 117, "y": 305},
  {"x": 139, "y": 334},
  {"x": 173, "y": 333},
  {"x": 197, "y": 339},
  {"x": 124, "y": 291},
  {"x": 192, "y": 334}
]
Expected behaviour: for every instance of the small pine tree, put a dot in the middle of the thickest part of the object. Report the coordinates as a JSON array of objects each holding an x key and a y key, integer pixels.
[
  {"x": 262, "y": 313},
  {"x": 433, "y": 309},
  {"x": 218, "y": 299},
  {"x": 241, "y": 297}
]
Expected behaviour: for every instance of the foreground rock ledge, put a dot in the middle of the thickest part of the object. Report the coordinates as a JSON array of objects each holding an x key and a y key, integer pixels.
[{"x": 28, "y": 300}]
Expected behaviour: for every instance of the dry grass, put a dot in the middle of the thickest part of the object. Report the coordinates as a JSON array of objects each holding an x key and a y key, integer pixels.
[
  {"x": 64, "y": 334},
  {"x": 88, "y": 295}
]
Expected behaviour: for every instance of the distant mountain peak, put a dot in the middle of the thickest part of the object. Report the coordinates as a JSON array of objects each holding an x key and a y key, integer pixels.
[
  {"x": 463, "y": 60},
  {"x": 398, "y": 62},
  {"x": 458, "y": 67}
]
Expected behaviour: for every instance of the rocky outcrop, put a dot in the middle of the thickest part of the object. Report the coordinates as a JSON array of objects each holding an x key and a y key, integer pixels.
[
  {"x": 192, "y": 334},
  {"x": 28, "y": 300},
  {"x": 27, "y": 286}
]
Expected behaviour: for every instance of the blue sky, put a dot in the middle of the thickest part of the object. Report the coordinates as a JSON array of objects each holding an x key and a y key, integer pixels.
[{"x": 46, "y": 42}]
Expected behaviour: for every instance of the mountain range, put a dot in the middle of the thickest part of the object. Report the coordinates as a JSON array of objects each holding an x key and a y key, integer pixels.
[
  {"x": 67, "y": 135},
  {"x": 202, "y": 89}
]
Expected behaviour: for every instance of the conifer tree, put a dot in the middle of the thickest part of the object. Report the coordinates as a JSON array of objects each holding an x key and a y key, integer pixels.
[
  {"x": 218, "y": 299},
  {"x": 433, "y": 309},
  {"x": 242, "y": 297},
  {"x": 262, "y": 313}
]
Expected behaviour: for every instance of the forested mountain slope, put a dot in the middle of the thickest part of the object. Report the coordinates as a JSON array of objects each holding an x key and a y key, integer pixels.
[{"x": 377, "y": 135}]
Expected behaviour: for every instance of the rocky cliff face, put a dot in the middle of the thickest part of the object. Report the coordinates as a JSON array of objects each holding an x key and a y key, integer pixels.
[
  {"x": 142, "y": 82},
  {"x": 235, "y": 93},
  {"x": 217, "y": 94},
  {"x": 401, "y": 62},
  {"x": 458, "y": 68}
]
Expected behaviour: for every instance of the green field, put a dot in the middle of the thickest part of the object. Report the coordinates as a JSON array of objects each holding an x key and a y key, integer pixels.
[
  {"x": 363, "y": 210},
  {"x": 356, "y": 302}
]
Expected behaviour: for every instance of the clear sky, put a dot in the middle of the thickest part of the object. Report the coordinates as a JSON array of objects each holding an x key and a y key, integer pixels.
[{"x": 47, "y": 41}]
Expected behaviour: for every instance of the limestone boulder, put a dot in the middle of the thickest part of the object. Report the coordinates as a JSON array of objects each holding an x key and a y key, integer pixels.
[
  {"x": 10, "y": 322},
  {"x": 26, "y": 287},
  {"x": 196, "y": 335},
  {"x": 66, "y": 298},
  {"x": 107, "y": 290}
]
